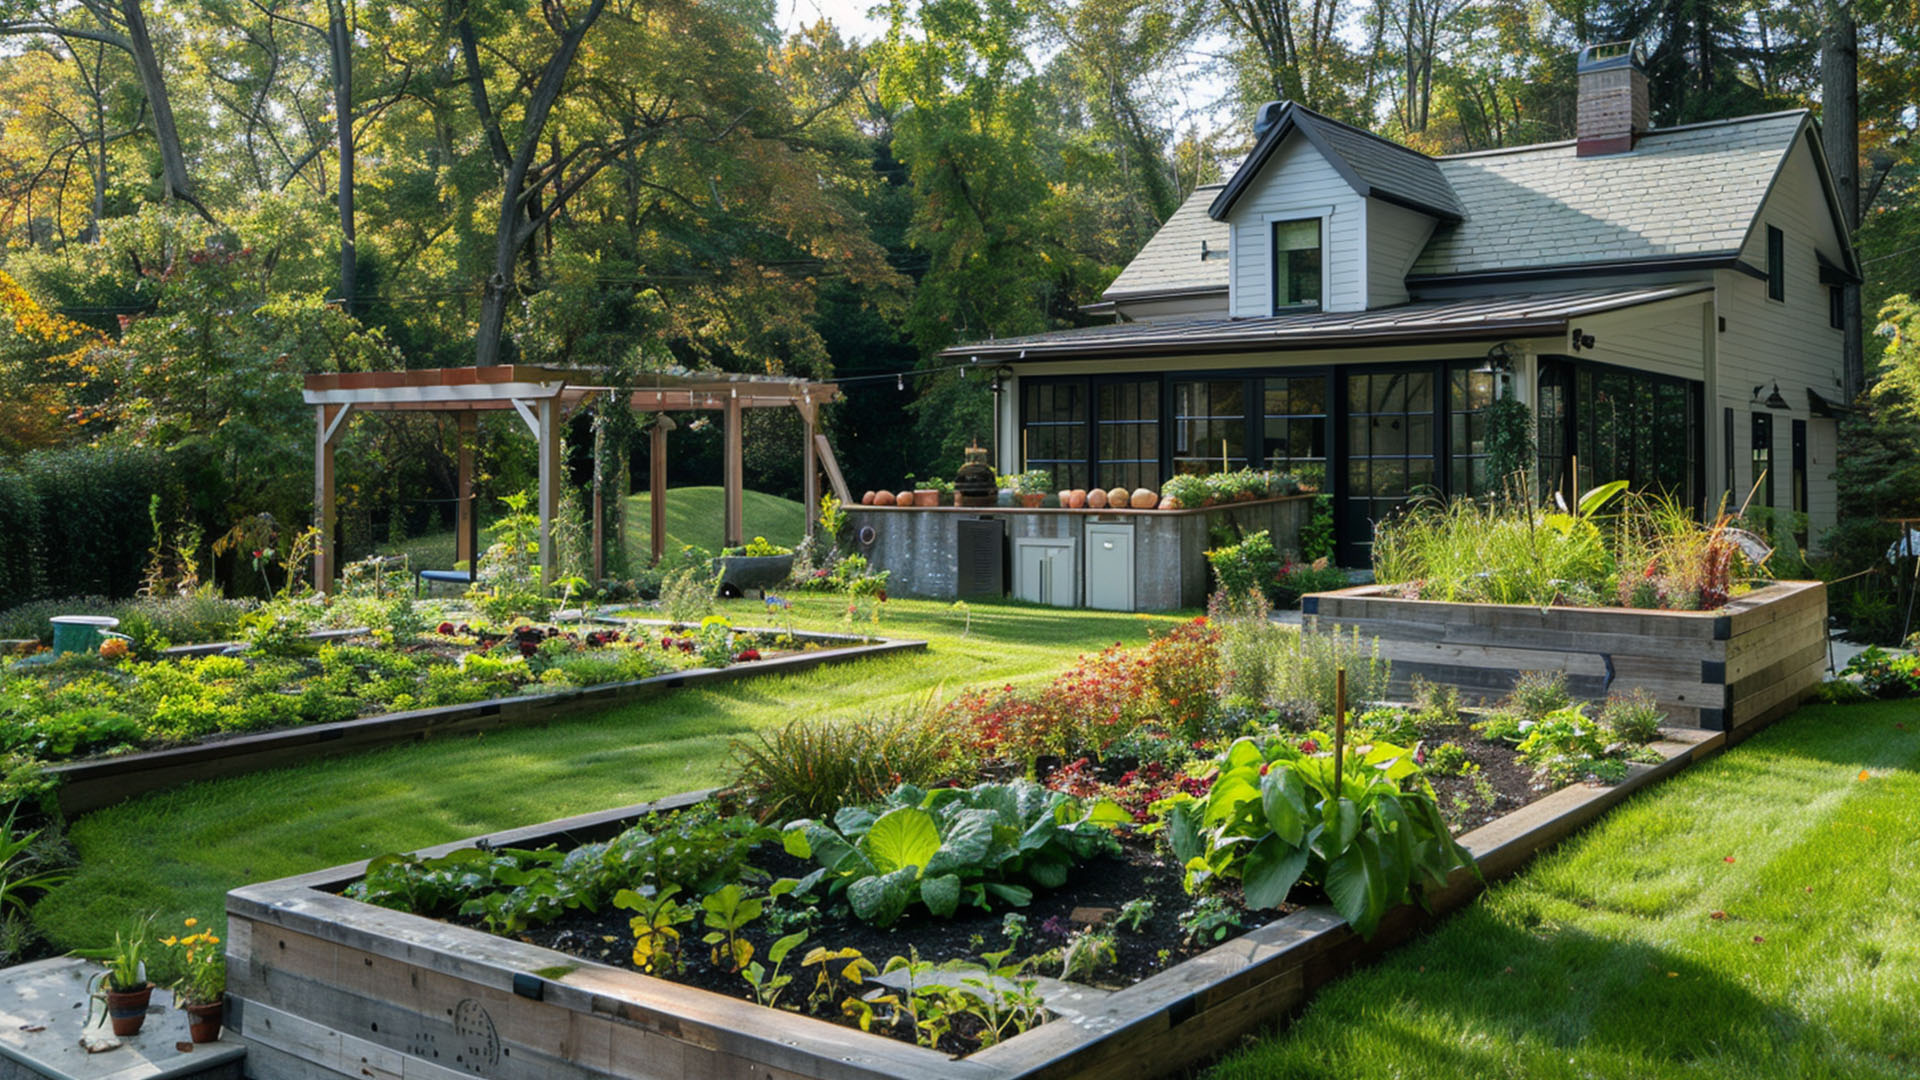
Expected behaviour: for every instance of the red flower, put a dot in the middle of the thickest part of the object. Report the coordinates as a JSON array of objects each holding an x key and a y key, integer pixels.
[
  {"x": 445, "y": 628},
  {"x": 1308, "y": 746}
]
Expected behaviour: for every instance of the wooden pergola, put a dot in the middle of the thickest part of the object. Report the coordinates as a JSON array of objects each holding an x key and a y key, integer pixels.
[{"x": 543, "y": 397}]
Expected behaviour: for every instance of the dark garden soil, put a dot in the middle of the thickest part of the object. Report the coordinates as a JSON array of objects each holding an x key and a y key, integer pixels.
[
  {"x": 1094, "y": 894},
  {"x": 1501, "y": 784}
]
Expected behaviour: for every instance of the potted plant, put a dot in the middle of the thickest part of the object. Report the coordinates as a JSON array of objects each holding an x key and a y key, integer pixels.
[
  {"x": 1185, "y": 490},
  {"x": 122, "y": 989},
  {"x": 202, "y": 986},
  {"x": 1311, "y": 477},
  {"x": 932, "y": 492},
  {"x": 1031, "y": 487},
  {"x": 757, "y": 565}
]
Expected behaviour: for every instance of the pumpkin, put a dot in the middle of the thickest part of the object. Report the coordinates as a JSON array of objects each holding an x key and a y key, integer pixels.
[
  {"x": 1144, "y": 499},
  {"x": 1077, "y": 498},
  {"x": 1097, "y": 499},
  {"x": 1119, "y": 498},
  {"x": 1169, "y": 503},
  {"x": 905, "y": 498},
  {"x": 866, "y": 499}
]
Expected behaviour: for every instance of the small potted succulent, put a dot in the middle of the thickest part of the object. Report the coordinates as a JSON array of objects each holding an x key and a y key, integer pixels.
[
  {"x": 1031, "y": 487},
  {"x": 201, "y": 988},
  {"x": 933, "y": 491},
  {"x": 122, "y": 989},
  {"x": 1310, "y": 477}
]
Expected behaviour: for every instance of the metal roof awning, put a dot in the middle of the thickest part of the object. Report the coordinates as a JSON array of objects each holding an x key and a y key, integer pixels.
[{"x": 1472, "y": 319}]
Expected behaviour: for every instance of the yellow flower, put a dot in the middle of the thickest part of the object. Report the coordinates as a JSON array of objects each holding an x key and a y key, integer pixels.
[
  {"x": 193, "y": 922},
  {"x": 169, "y": 942}
]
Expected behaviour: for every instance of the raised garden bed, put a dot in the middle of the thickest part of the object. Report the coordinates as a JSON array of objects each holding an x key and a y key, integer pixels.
[
  {"x": 1724, "y": 670},
  {"x": 327, "y": 985},
  {"x": 89, "y": 784}
]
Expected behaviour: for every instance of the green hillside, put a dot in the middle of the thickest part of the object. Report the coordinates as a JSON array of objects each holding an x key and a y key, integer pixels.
[{"x": 693, "y": 517}]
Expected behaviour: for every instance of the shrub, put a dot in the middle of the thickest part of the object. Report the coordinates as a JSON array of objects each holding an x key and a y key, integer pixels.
[
  {"x": 1182, "y": 673},
  {"x": 1294, "y": 580},
  {"x": 1537, "y": 693},
  {"x": 812, "y": 768},
  {"x": 69, "y": 518},
  {"x": 1305, "y": 673},
  {"x": 1884, "y": 674},
  {"x": 1448, "y": 759},
  {"x": 1245, "y": 566},
  {"x": 1316, "y": 536},
  {"x": 1633, "y": 718},
  {"x": 1249, "y": 641}
]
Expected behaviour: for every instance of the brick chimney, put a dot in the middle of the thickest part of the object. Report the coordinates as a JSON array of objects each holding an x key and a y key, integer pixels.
[{"x": 1613, "y": 98}]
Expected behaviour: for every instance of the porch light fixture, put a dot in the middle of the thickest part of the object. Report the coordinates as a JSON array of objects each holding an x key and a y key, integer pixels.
[
  {"x": 1499, "y": 360},
  {"x": 1580, "y": 340}
]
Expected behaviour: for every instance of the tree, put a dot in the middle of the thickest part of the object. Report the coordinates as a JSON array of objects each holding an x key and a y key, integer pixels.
[{"x": 122, "y": 25}]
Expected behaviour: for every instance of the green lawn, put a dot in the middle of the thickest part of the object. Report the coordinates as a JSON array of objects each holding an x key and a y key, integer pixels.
[
  {"x": 178, "y": 852},
  {"x": 694, "y": 516},
  {"x": 1605, "y": 959}
]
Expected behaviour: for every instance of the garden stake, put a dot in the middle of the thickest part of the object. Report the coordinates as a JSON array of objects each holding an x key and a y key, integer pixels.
[{"x": 1339, "y": 726}]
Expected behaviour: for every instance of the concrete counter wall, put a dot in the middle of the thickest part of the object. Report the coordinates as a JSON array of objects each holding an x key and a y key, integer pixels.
[{"x": 919, "y": 546}]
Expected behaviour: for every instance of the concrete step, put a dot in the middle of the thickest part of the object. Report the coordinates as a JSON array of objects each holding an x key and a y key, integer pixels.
[{"x": 43, "y": 1007}]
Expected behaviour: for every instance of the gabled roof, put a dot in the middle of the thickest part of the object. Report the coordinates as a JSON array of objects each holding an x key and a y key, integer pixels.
[
  {"x": 1482, "y": 318},
  {"x": 1187, "y": 255},
  {"x": 1375, "y": 167},
  {"x": 1682, "y": 193}
]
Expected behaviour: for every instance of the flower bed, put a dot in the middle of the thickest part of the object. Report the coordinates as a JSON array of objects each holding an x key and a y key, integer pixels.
[{"x": 1185, "y": 802}]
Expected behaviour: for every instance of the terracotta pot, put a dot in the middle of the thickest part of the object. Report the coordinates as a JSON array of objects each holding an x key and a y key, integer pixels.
[
  {"x": 904, "y": 498},
  {"x": 1245, "y": 496},
  {"x": 1077, "y": 498},
  {"x": 127, "y": 1009},
  {"x": 203, "y": 1021},
  {"x": 1169, "y": 503},
  {"x": 926, "y": 497},
  {"x": 1033, "y": 501},
  {"x": 1119, "y": 498},
  {"x": 1144, "y": 499},
  {"x": 1097, "y": 499}
]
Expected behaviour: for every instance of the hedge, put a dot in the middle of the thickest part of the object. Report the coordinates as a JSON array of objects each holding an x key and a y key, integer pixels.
[{"x": 76, "y": 521}]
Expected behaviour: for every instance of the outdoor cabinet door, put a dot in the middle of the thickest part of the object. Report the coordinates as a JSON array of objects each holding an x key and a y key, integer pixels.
[
  {"x": 1043, "y": 571},
  {"x": 1110, "y": 567}
]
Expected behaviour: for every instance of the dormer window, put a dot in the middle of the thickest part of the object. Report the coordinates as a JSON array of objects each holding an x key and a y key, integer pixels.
[{"x": 1296, "y": 265}]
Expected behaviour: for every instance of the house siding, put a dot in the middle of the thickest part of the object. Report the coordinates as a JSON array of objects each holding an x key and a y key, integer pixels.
[
  {"x": 1297, "y": 182},
  {"x": 1395, "y": 237},
  {"x": 1666, "y": 341}
]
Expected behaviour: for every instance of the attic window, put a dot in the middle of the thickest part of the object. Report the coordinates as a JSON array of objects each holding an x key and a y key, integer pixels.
[{"x": 1296, "y": 265}]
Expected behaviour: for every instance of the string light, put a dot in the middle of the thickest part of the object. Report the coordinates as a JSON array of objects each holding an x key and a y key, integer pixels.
[{"x": 899, "y": 382}]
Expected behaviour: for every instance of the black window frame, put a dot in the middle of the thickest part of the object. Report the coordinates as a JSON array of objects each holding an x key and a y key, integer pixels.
[
  {"x": 1776, "y": 264},
  {"x": 1273, "y": 258},
  {"x": 1837, "y": 307},
  {"x": 1578, "y": 379},
  {"x": 1798, "y": 483}
]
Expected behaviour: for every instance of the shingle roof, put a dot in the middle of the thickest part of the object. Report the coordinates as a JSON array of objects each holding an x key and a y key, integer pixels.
[
  {"x": 1171, "y": 261},
  {"x": 1686, "y": 191},
  {"x": 1478, "y": 318},
  {"x": 1374, "y": 166}
]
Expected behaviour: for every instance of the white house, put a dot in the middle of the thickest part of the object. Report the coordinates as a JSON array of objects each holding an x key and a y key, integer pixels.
[{"x": 1666, "y": 300}]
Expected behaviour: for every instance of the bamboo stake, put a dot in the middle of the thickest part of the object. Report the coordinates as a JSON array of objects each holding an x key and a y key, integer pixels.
[{"x": 1339, "y": 727}]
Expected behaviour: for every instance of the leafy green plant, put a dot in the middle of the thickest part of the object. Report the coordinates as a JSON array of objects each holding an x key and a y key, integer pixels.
[
  {"x": 939, "y": 848},
  {"x": 125, "y": 961},
  {"x": 1633, "y": 718},
  {"x": 1885, "y": 675},
  {"x": 1370, "y": 835},
  {"x": 1247, "y": 566},
  {"x": 656, "y": 928},
  {"x": 1564, "y": 744},
  {"x": 837, "y": 973},
  {"x": 1448, "y": 759},
  {"x": 1088, "y": 953},
  {"x": 769, "y": 984},
  {"x": 729, "y": 910},
  {"x": 1317, "y": 535},
  {"x": 1211, "y": 918},
  {"x": 715, "y": 642},
  {"x": 1033, "y": 482},
  {"x": 1134, "y": 914},
  {"x": 998, "y": 1000},
  {"x": 757, "y": 548},
  {"x": 1189, "y": 489},
  {"x": 22, "y": 873}
]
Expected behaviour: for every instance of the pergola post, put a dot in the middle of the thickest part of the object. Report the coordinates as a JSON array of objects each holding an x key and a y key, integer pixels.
[
  {"x": 547, "y": 414},
  {"x": 733, "y": 480},
  {"x": 465, "y": 518},
  {"x": 657, "y": 485},
  {"x": 809, "y": 464},
  {"x": 327, "y": 421}
]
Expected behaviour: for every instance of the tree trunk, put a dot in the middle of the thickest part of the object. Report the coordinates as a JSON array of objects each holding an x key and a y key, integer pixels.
[
  {"x": 173, "y": 161},
  {"x": 1840, "y": 129},
  {"x": 340, "y": 52},
  {"x": 513, "y": 194}
]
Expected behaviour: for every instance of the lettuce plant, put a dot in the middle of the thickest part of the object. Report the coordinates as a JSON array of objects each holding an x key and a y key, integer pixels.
[
  {"x": 991, "y": 842},
  {"x": 1275, "y": 818}
]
